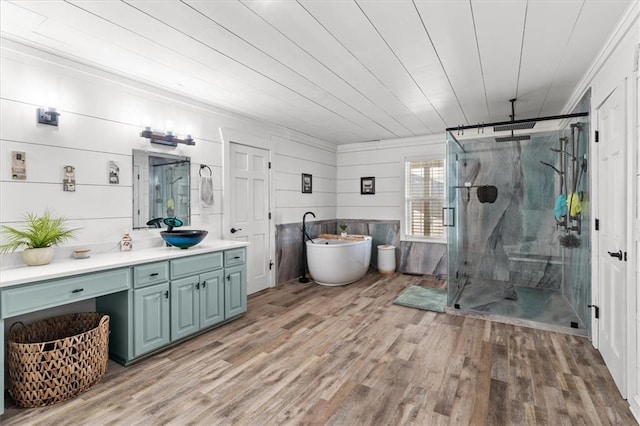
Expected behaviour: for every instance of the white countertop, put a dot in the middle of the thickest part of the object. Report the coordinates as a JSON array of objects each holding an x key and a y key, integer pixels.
[{"x": 104, "y": 261}]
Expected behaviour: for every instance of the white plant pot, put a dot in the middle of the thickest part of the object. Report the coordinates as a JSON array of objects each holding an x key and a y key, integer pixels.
[
  {"x": 343, "y": 234},
  {"x": 37, "y": 256}
]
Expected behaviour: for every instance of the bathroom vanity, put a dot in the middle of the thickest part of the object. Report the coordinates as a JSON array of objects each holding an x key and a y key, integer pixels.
[{"x": 155, "y": 297}]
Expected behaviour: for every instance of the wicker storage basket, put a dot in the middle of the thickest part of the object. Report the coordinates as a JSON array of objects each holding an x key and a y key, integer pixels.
[{"x": 55, "y": 359}]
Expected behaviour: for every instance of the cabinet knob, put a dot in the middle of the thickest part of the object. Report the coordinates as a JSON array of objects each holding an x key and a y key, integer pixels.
[
  {"x": 155, "y": 274},
  {"x": 204, "y": 284},
  {"x": 166, "y": 294},
  {"x": 236, "y": 257},
  {"x": 197, "y": 286},
  {"x": 77, "y": 290},
  {"x": 228, "y": 277}
]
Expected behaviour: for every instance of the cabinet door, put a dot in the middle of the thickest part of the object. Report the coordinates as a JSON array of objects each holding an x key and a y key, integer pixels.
[
  {"x": 235, "y": 291},
  {"x": 185, "y": 307},
  {"x": 211, "y": 298},
  {"x": 151, "y": 318}
]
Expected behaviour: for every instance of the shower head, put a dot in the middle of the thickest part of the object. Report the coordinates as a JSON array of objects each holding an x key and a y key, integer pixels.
[
  {"x": 513, "y": 138},
  {"x": 514, "y": 126}
]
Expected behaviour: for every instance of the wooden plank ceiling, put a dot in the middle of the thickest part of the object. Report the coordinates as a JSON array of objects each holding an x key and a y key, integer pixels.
[{"x": 340, "y": 70}]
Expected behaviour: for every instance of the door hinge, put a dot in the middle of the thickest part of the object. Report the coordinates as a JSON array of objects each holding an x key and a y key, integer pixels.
[
  {"x": 269, "y": 164},
  {"x": 597, "y": 136},
  {"x": 597, "y": 310},
  {"x": 597, "y": 224},
  {"x": 269, "y": 215},
  {"x": 270, "y": 264},
  {"x": 625, "y": 256}
]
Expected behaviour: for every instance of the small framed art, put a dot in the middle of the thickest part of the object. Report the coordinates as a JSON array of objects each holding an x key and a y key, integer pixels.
[
  {"x": 367, "y": 185},
  {"x": 307, "y": 181}
]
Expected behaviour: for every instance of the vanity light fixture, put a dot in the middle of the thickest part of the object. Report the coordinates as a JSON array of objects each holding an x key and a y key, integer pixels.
[
  {"x": 168, "y": 138},
  {"x": 48, "y": 116}
]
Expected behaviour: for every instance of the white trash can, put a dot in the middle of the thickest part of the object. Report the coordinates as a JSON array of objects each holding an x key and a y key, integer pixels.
[{"x": 386, "y": 259}]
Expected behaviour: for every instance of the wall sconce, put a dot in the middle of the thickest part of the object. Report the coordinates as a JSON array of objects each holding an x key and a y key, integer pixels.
[
  {"x": 168, "y": 139},
  {"x": 48, "y": 116}
]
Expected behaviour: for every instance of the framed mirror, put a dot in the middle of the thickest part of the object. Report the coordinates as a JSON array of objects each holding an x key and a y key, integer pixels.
[{"x": 161, "y": 188}]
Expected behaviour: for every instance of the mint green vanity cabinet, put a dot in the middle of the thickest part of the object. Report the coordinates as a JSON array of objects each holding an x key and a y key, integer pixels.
[
  {"x": 194, "y": 265},
  {"x": 211, "y": 298},
  {"x": 47, "y": 294},
  {"x": 150, "y": 273},
  {"x": 151, "y": 318},
  {"x": 185, "y": 307},
  {"x": 152, "y": 302},
  {"x": 235, "y": 291},
  {"x": 235, "y": 285},
  {"x": 197, "y": 302}
]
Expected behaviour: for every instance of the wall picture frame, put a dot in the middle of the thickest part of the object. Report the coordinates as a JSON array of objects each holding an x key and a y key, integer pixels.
[
  {"x": 367, "y": 185},
  {"x": 307, "y": 183}
]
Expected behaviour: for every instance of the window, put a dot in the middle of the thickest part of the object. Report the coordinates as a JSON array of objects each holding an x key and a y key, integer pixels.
[{"x": 425, "y": 198}]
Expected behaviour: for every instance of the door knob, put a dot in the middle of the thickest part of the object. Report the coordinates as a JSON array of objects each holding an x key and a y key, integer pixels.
[
  {"x": 618, "y": 254},
  {"x": 234, "y": 230}
]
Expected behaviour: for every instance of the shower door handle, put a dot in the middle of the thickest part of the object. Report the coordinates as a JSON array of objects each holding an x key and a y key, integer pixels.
[{"x": 452, "y": 217}]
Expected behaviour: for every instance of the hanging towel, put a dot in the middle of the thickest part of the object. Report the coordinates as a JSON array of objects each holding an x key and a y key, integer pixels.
[
  {"x": 574, "y": 204},
  {"x": 206, "y": 191},
  {"x": 560, "y": 210}
]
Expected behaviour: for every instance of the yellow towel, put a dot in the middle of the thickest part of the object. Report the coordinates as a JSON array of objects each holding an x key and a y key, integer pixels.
[{"x": 574, "y": 205}]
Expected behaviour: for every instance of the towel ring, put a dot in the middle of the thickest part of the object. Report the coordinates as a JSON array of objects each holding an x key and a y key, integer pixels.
[{"x": 204, "y": 166}]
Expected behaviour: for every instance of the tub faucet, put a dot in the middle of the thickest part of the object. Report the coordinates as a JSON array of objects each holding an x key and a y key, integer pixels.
[
  {"x": 303, "y": 264},
  {"x": 304, "y": 226}
]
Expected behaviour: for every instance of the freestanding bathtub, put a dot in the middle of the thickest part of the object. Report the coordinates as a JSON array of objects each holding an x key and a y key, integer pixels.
[{"x": 338, "y": 262}]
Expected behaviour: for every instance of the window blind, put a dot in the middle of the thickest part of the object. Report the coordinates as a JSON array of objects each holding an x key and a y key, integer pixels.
[{"x": 425, "y": 198}]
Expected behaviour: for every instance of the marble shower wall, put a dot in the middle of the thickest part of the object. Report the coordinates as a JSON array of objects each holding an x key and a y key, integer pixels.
[
  {"x": 517, "y": 234},
  {"x": 411, "y": 257}
]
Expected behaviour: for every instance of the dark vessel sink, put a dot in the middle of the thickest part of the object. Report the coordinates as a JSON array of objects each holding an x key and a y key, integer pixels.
[{"x": 183, "y": 238}]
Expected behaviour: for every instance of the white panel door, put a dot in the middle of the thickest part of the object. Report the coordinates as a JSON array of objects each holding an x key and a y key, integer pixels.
[
  {"x": 249, "y": 220},
  {"x": 612, "y": 186}
]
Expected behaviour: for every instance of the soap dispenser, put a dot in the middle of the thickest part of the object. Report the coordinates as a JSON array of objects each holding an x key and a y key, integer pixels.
[{"x": 125, "y": 243}]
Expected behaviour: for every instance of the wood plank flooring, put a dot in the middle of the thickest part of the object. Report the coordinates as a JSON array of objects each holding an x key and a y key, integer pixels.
[{"x": 306, "y": 354}]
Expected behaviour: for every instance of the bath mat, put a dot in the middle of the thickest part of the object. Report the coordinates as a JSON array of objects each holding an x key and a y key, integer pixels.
[{"x": 429, "y": 299}]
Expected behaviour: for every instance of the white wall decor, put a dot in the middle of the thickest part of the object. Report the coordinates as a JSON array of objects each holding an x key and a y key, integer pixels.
[
  {"x": 114, "y": 172},
  {"x": 69, "y": 180},
  {"x": 18, "y": 165}
]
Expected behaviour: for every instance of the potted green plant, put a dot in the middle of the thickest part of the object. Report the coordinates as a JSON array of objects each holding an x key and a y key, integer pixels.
[
  {"x": 38, "y": 237},
  {"x": 343, "y": 229}
]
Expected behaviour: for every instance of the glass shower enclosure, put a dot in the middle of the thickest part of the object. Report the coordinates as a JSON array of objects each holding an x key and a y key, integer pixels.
[{"x": 511, "y": 252}]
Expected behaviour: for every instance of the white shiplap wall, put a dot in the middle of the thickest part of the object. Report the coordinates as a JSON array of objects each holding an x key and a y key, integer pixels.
[
  {"x": 101, "y": 117},
  {"x": 383, "y": 160},
  {"x": 290, "y": 161}
]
